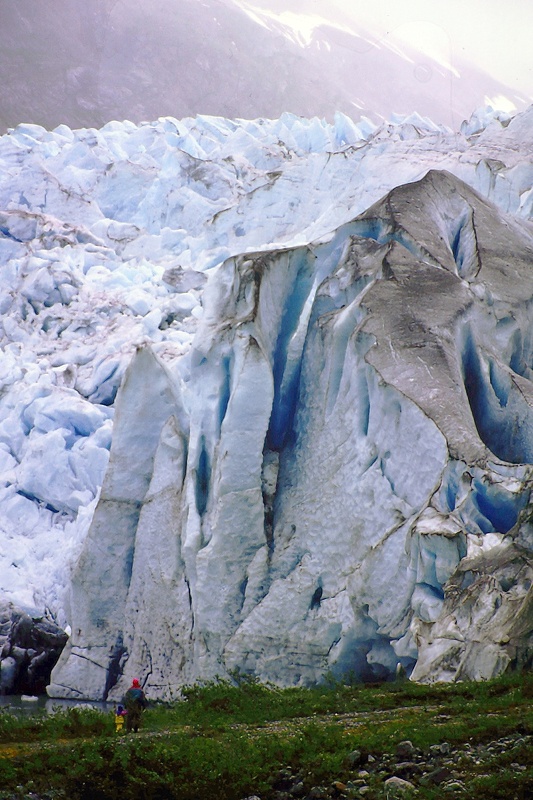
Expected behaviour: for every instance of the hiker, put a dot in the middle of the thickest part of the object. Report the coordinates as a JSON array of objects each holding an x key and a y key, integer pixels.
[
  {"x": 120, "y": 713},
  {"x": 135, "y": 702}
]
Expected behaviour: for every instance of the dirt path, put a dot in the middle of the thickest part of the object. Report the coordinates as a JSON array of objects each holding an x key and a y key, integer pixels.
[{"x": 350, "y": 721}]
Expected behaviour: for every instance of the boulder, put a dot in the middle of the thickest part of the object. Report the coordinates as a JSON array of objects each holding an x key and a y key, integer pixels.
[{"x": 30, "y": 645}]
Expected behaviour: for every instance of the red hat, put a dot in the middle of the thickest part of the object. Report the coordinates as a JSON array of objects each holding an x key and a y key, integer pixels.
[{"x": 136, "y": 683}]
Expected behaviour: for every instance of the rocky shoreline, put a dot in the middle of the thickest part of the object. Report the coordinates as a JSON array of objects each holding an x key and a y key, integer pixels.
[
  {"x": 406, "y": 772},
  {"x": 402, "y": 773}
]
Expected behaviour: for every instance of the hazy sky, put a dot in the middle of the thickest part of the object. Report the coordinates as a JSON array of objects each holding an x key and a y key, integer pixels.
[{"x": 493, "y": 34}]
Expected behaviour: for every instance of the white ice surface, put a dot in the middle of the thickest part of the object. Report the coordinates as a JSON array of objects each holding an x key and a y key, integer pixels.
[{"x": 94, "y": 224}]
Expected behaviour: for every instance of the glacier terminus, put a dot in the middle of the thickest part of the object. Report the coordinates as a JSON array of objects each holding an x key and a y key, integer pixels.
[{"x": 267, "y": 401}]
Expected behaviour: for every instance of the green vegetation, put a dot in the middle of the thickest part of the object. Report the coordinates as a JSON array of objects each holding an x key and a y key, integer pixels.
[{"x": 226, "y": 741}]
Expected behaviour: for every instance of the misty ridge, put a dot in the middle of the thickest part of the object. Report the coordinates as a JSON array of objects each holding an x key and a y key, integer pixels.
[{"x": 86, "y": 63}]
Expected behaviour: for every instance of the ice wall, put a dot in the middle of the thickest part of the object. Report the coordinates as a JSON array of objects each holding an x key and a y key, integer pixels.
[{"x": 356, "y": 429}]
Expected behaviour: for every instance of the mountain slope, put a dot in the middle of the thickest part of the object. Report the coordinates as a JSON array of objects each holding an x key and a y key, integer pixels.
[{"x": 88, "y": 63}]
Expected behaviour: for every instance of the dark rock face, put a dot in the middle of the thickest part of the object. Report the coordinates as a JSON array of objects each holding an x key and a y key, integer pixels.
[{"x": 30, "y": 647}]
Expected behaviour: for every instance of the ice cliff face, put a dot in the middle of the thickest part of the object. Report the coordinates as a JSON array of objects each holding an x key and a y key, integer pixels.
[
  {"x": 356, "y": 430},
  {"x": 326, "y": 467}
]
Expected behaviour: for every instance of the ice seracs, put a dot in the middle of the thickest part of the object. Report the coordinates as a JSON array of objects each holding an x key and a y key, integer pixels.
[
  {"x": 304, "y": 425},
  {"x": 484, "y": 625}
]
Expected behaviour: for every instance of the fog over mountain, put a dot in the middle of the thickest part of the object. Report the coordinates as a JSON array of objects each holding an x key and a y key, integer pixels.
[{"x": 85, "y": 62}]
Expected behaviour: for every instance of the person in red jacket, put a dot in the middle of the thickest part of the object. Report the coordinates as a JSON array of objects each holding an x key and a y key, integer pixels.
[{"x": 135, "y": 702}]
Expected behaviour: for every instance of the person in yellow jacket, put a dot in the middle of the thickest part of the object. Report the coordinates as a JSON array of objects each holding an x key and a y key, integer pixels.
[{"x": 120, "y": 714}]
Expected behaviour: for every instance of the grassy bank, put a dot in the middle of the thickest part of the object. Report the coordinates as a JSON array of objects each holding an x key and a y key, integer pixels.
[{"x": 226, "y": 742}]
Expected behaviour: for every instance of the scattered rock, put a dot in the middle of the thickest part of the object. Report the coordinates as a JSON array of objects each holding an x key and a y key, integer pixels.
[
  {"x": 440, "y": 749},
  {"x": 297, "y": 790},
  {"x": 400, "y": 779},
  {"x": 437, "y": 776},
  {"x": 405, "y": 769},
  {"x": 339, "y": 786},
  {"x": 317, "y": 793},
  {"x": 355, "y": 758},
  {"x": 397, "y": 786},
  {"x": 405, "y": 750}
]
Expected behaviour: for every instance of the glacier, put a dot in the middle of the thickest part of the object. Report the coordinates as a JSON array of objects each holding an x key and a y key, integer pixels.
[{"x": 266, "y": 403}]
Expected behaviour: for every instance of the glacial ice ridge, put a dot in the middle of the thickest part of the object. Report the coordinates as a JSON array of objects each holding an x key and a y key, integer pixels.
[{"x": 266, "y": 398}]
